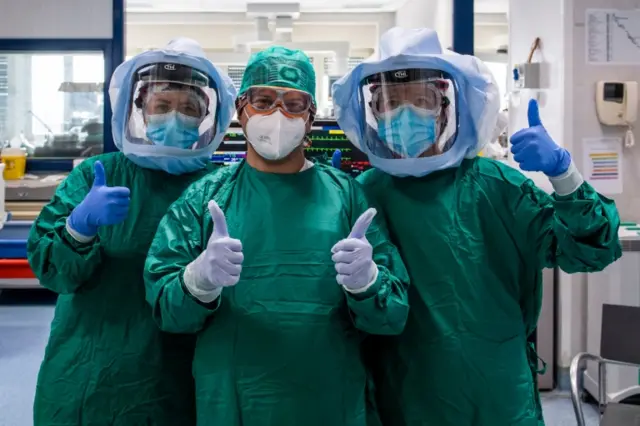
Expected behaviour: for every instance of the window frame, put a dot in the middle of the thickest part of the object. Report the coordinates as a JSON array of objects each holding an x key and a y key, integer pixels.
[{"x": 113, "y": 52}]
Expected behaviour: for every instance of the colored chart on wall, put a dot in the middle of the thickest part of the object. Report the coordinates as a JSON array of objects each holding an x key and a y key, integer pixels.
[{"x": 602, "y": 162}]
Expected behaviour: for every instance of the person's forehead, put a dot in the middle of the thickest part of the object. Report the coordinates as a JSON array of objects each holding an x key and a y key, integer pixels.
[
  {"x": 173, "y": 95},
  {"x": 265, "y": 90},
  {"x": 402, "y": 87}
]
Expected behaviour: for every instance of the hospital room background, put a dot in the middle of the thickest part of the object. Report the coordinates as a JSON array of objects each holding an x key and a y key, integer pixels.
[{"x": 579, "y": 58}]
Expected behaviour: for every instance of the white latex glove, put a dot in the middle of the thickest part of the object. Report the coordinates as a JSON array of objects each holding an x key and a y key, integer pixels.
[
  {"x": 353, "y": 257},
  {"x": 219, "y": 265}
]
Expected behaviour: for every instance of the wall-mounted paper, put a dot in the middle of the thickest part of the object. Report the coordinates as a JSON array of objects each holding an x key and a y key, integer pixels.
[
  {"x": 602, "y": 163},
  {"x": 613, "y": 36}
]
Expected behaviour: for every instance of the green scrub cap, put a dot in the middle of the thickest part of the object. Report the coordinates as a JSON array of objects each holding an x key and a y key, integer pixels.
[{"x": 280, "y": 67}]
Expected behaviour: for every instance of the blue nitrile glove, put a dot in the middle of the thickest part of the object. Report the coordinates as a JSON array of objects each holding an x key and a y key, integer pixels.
[
  {"x": 219, "y": 265},
  {"x": 353, "y": 257},
  {"x": 336, "y": 159},
  {"x": 534, "y": 149},
  {"x": 102, "y": 206}
]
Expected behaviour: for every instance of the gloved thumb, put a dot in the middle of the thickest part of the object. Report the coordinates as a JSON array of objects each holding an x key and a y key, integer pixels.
[
  {"x": 99, "y": 178},
  {"x": 219, "y": 221},
  {"x": 361, "y": 226},
  {"x": 336, "y": 159},
  {"x": 533, "y": 113}
]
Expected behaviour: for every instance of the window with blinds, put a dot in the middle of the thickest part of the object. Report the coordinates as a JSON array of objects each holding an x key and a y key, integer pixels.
[
  {"x": 236, "y": 72},
  {"x": 351, "y": 63},
  {"x": 4, "y": 96}
]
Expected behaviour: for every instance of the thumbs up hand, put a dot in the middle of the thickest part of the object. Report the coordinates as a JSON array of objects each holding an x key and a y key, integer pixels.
[
  {"x": 103, "y": 205},
  {"x": 224, "y": 254},
  {"x": 534, "y": 149},
  {"x": 353, "y": 257},
  {"x": 219, "y": 265}
]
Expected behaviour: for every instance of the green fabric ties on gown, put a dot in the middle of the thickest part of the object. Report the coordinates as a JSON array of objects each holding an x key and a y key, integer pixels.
[
  {"x": 475, "y": 240},
  {"x": 107, "y": 363},
  {"x": 283, "y": 346}
]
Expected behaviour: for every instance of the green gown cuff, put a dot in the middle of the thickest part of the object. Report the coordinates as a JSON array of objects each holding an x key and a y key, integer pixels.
[
  {"x": 81, "y": 247},
  {"x": 369, "y": 293},
  {"x": 379, "y": 310},
  {"x": 199, "y": 305},
  {"x": 76, "y": 235},
  {"x": 61, "y": 263}
]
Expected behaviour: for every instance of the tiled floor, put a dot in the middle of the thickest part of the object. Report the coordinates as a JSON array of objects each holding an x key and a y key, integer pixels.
[
  {"x": 24, "y": 327},
  {"x": 558, "y": 411}
]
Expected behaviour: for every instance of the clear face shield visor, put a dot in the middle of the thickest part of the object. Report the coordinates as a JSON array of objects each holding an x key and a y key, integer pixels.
[
  {"x": 172, "y": 105},
  {"x": 409, "y": 113}
]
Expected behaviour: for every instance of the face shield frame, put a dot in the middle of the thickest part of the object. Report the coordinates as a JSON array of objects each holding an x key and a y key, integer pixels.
[
  {"x": 175, "y": 73},
  {"x": 442, "y": 80}
]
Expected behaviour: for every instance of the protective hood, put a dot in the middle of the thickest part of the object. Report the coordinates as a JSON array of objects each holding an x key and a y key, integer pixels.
[
  {"x": 477, "y": 99},
  {"x": 171, "y": 159}
]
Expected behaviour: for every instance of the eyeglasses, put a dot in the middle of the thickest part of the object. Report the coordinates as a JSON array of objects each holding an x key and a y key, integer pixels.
[{"x": 265, "y": 99}]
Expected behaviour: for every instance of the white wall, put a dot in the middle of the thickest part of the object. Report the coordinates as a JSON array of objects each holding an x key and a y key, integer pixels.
[
  {"x": 220, "y": 36},
  {"x": 56, "y": 19},
  {"x": 436, "y": 14},
  {"x": 584, "y": 122},
  {"x": 488, "y": 37},
  {"x": 568, "y": 112}
]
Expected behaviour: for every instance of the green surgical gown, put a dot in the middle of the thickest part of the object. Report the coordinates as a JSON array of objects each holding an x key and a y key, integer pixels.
[
  {"x": 107, "y": 363},
  {"x": 475, "y": 240},
  {"x": 283, "y": 346}
]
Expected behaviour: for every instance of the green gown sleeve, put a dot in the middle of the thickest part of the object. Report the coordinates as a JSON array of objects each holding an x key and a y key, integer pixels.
[
  {"x": 61, "y": 263},
  {"x": 576, "y": 232},
  {"x": 384, "y": 307},
  {"x": 180, "y": 238}
]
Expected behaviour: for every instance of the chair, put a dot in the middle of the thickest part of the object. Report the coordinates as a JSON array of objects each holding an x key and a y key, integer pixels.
[{"x": 619, "y": 345}]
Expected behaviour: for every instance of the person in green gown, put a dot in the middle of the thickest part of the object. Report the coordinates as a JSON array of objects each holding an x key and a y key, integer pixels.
[
  {"x": 107, "y": 363},
  {"x": 475, "y": 233},
  {"x": 279, "y": 267}
]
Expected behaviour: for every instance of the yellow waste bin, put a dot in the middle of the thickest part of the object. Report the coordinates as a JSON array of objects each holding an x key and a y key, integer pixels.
[{"x": 15, "y": 163}]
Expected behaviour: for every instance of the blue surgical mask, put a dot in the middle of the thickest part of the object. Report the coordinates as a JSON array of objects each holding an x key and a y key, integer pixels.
[
  {"x": 173, "y": 129},
  {"x": 408, "y": 133}
]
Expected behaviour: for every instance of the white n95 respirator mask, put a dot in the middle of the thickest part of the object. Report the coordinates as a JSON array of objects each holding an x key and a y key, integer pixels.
[{"x": 274, "y": 136}]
